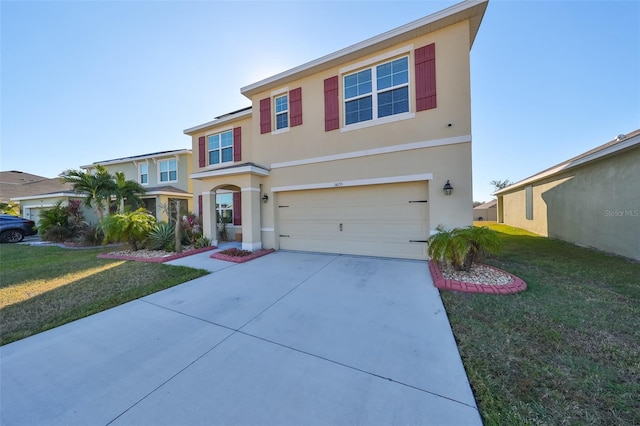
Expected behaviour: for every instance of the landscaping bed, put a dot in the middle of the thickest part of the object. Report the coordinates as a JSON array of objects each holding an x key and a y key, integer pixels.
[
  {"x": 153, "y": 256},
  {"x": 480, "y": 279},
  {"x": 240, "y": 256}
]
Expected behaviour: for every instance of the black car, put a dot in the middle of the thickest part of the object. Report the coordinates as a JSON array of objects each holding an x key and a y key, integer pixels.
[{"x": 13, "y": 228}]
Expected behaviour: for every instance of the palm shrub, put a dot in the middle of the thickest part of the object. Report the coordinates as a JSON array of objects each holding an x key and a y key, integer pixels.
[
  {"x": 162, "y": 237},
  {"x": 133, "y": 227},
  {"x": 480, "y": 242},
  {"x": 54, "y": 224},
  {"x": 461, "y": 247},
  {"x": 445, "y": 247}
]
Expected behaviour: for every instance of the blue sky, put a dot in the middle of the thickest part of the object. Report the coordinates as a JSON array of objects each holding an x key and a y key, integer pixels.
[{"x": 85, "y": 81}]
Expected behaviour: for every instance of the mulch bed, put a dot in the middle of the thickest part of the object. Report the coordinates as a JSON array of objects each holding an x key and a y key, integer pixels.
[
  {"x": 162, "y": 259},
  {"x": 516, "y": 285},
  {"x": 240, "y": 256}
]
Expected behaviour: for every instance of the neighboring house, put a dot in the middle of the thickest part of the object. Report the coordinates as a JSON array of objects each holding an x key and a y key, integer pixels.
[
  {"x": 591, "y": 200},
  {"x": 32, "y": 205},
  {"x": 487, "y": 211},
  {"x": 164, "y": 175},
  {"x": 349, "y": 153},
  {"x": 15, "y": 183},
  {"x": 34, "y": 193}
]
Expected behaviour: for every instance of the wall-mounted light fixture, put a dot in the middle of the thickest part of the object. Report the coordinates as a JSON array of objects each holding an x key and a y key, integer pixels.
[
  {"x": 447, "y": 188},
  {"x": 265, "y": 198}
]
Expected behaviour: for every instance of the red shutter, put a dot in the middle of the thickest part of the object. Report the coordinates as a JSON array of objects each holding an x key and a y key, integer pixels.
[
  {"x": 237, "y": 144},
  {"x": 265, "y": 115},
  {"x": 199, "y": 205},
  {"x": 425, "y": 58},
  {"x": 295, "y": 105},
  {"x": 331, "y": 104},
  {"x": 202, "y": 152},
  {"x": 237, "y": 208}
]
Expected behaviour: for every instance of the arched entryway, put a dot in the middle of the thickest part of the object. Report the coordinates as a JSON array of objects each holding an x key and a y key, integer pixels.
[{"x": 225, "y": 220}]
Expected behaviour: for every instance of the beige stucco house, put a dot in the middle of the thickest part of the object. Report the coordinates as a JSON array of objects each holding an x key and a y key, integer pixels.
[
  {"x": 164, "y": 175},
  {"x": 591, "y": 200},
  {"x": 349, "y": 153}
]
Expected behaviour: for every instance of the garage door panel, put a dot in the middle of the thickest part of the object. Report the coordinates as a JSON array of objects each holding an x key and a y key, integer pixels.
[{"x": 377, "y": 220}]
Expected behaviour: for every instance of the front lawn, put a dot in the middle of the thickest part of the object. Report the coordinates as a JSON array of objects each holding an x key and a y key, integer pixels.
[
  {"x": 567, "y": 350},
  {"x": 44, "y": 287}
]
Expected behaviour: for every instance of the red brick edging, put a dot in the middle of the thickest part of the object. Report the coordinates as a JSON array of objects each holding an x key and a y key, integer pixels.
[
  {"x": 156, "y": 259},
  {"x": 445, "y": 284},
  {"x": 241, "y": 259}
]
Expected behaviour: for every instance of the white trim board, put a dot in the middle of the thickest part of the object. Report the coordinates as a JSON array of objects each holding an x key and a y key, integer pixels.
[
  {"x": 375, "y": 151},
  {"x": 357, "y": 182},
  {"x": 230, "y": 171}
]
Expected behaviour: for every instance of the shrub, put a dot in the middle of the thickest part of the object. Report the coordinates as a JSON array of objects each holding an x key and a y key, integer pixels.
[
  {"x": 191, "y": 226},
  {"x": 162, "y": 237},
  {"x": 461, "y": 247},
  {"x": 202, "y": 242},
  {"x": 90, "y": 235},
  {"x": 133, "y": 227},
  {"x": 57, "y": 233},
  {"x": 62, "y": 223}
]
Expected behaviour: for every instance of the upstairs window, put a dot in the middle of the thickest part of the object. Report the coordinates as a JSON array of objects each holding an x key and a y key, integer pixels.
[
  {"x": 377, "y": 92},
  {"x": 282, "y": 111},
  {"x": 168, "y": 171},
  {"x": 220, "y": 147},
  {"x": 143, "y": 173},
  {"x": 285, "y": 108}
]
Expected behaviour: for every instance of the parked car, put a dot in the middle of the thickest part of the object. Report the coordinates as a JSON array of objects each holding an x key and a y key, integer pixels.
[{"x": 13, "y": 228}]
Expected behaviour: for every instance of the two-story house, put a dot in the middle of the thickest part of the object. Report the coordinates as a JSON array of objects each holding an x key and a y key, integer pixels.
[
  {"x": 363, "y": 151},
  {"x": 164, "y": 175}
]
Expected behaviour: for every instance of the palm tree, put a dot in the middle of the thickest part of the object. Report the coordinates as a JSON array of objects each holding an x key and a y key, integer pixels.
[
  {"x": 128, "y": 190},
  {"x": 461, "y": 247},
  {"x": 98, "y": 187}
]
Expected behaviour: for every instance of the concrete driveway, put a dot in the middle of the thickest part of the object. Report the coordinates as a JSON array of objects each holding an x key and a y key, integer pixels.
[{"x": 289, "y": 338}]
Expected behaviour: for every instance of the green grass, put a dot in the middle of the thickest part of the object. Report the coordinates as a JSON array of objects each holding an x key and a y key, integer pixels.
[
  {"x": 567, "y": 350},
  {"x": 44, "y": 287}
]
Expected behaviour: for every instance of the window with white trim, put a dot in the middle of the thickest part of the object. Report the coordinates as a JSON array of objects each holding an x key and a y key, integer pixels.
[
  {"x": 143, "y": 173},
  {"x": 281, "y": 104},
  {"x": 220, "y": 147},
  {"x": 168, "y": 170},
  {"x": 377, "y": 92}
]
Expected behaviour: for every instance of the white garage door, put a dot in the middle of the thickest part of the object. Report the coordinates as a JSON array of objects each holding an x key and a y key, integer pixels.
[{"x": 388, "y": 220}]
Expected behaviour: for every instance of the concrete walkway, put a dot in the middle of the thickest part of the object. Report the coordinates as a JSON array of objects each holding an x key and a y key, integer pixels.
[{"x": 289, "y": 338}]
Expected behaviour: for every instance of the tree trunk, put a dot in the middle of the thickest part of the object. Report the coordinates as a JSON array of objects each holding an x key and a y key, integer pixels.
[{"x": 177, "y": 228}]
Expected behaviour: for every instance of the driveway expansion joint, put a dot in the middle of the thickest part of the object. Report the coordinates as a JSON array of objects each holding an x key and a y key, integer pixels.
[{"x": 357, "y": 369}]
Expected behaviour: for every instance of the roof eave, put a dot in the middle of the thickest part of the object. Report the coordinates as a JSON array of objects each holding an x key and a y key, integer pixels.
[
  {"x": 573, "y": 163},
  {"x": 218, "y": 121},
  {"x": 473, "y": 10},
  {"x": 137, "y": 158}
]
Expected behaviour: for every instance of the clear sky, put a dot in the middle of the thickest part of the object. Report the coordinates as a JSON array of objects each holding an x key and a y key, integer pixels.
[{"x": 85, "y": 81}]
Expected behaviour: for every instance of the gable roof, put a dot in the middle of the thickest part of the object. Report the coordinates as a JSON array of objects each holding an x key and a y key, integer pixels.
[
  {"x": 620, "y": 143},
  {"x": 488, "y": 205},
  {"x": 473, "y": 10},
  {"x": 15, "y": 184}
]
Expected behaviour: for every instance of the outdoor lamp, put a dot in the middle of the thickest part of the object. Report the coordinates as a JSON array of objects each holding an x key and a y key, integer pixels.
[{"x": 447, "y": 188}]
